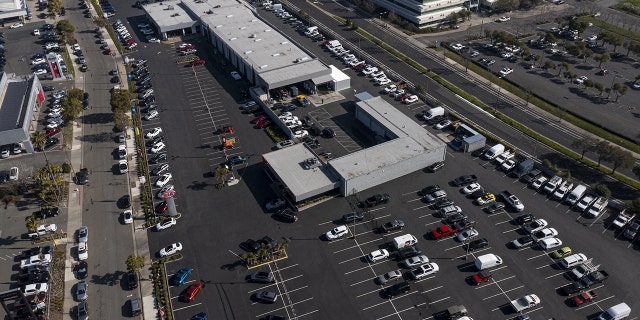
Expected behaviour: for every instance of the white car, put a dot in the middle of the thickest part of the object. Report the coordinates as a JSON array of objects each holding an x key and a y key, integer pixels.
[
  {"x": 83, "y": 251},
  {"x": 550, "y": 243},
  {"x": 538, "y": 183},
  {"x": 411, "y": 99},
  {"x": 171, "y": 249},
  {"x": 384, "y": 82},
  {"x": 285, "y": 144},
  {"x": 146, "y": 25},
  {"x": 36, "y": 260},
  {"x": 508, "y": 165},
  {"x": 166, "y": 224},
  {"x": 390, "y": 88},
  {"x": 235, "y": 75},
  {"x": 581, "y": 79},
  {"x": 127, "y": 217},
  {"x": 544, "y": 234},
  {"x": 536, "y": 225},
  {"x": 152, "y": 114},
  {"x": 415, "y": 261},
  {"x": 36, "y": 32},
  {"x": 163, "y": 180},
  {"x": 293, "y": 123},
  {"x": 153, "y": 40},
  {"x": 457, "y": 46},
  {"x": 17, "y": 25},
  {"x": 376, "y": 74},
  {"x": 504, "y": 19},
  {"x": 300, "y": 134},
  {"x": 467, "y": 235},
  {"x": 123, "y": 166},
  {"x": 378, "y": 255},
  {"x": 163, "y": 190},
  {"x": 425, "y": 270},
  {"x": 157, "y": 147},
  {"x": 505, "y": 71},
  {"x": 337, "y": 233},
  {"x": 153, "y": 133},
  {"x": 471, "y": 188},
  {"x": 35, "y": 288},
  {"x": 593, "y": 38},
  {"x": 54, "y": 125},
  {"x": 38, "y": 61},
  {"x": 40, "y": 72},
  {"x": 380, "y": 79},
  {"x": 443, "y": 124},
  {"x": 396, "y": 93},
  {"x": 368, "y": 71}
]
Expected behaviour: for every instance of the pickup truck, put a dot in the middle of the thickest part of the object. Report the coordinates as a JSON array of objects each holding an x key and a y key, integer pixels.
[
  {"x": 464, "y": 180},
  {"x": 595, "y": 277},
  {"x": 585, "y": 268},
  {"x": 527, "y": 302},
  {"x": 632, "y": 230},
  {"x": 504, "y": 157},
  {"x": 622, "y": 219},
  {"x": 562, "y": 190},
  {"x": 597, "y": 207},
  {"x": 512, "y": 200},
  {"x": 42, "y": 230},
  {"x": 35, "y": 260},
  {"x": 583, "y": 298}
]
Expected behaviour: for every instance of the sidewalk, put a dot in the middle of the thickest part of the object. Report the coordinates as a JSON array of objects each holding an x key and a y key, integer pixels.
[{"x": 140, "y": 240}]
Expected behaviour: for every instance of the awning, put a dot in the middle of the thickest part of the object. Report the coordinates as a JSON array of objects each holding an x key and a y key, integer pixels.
[{"x": 322, "y": 79}]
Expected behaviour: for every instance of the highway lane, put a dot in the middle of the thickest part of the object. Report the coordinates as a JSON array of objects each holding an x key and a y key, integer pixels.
[{"x": 534, "y": 119}]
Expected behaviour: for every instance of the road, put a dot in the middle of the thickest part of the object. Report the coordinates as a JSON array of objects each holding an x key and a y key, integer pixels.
[{"x": 490, "y": 94}]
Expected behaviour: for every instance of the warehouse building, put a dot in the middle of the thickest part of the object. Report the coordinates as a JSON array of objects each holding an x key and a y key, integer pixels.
[
  {"x": 263, "y": 55},
  {"x": 425, "y": 13},
  {"x": 20, "y": 98},
  {"x": 406, "y": 147}
]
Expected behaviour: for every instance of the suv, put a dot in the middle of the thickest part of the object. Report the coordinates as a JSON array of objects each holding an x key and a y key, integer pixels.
[
  {"x": 392, "y": 226},
  {"x": 352, "y": 217},
  {"x": 47, "y": 212},
  {"x": 82, "y": 177},
  {"x": 408, "y": 252},
  {"x": 377, "y": 199}
]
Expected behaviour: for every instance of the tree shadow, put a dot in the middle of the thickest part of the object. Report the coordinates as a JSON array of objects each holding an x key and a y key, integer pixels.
[
  {"x": 109, "y": 279},
  {"x": 96, "y": 138},
  {"x": 96, "y": 118}
]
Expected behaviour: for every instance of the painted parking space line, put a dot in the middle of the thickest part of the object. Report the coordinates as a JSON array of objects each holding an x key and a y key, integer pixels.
[
  {"x": 306, "y": 314},
  {"x": 595, "y": 303},
  {"x": 511, "y": 230},
  {"x": 555, "y": 275},
  {"x": 538, "y": 256},
  {"x": 412, "y": 200},
  {"x": 473, "y": 254},
  {"x": 388, "y": 300},
  {"x": 274, "y": 284},
  {"x": 186, "y": 307},
  {"x": 493, "y": 282},
  {"x": 503, "y": 292},
  {"x": 501, "y": 222},
  {"x": 290, "y": 305}
]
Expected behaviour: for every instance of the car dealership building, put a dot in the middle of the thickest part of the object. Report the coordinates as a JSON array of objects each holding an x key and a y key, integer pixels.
[{"x": 20, "y": 99}]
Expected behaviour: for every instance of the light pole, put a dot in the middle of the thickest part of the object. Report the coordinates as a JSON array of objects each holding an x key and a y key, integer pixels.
[{"x": 382, "y": 13}]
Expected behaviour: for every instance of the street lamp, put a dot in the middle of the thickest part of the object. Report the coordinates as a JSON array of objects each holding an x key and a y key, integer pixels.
[{"x": 382, "y": 13}]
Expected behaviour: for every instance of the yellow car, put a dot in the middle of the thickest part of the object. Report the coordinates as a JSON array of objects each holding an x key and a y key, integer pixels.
[
  {"x": 562, "y": 252},
  {"x": 486, "y": 199}
]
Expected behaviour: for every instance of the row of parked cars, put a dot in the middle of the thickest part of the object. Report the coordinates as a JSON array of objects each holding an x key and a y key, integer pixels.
[{"x": 124, "y": 36}]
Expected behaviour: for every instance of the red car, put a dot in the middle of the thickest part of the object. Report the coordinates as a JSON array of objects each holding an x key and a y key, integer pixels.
[
  {"x": 162, "y": 207},
  {"x": 192, "y": 292},
  {"x": 198, "y": 62},
  {"x": 130, "y": 41},
  {"x": 404, "y": 97},
  {"x": 107, "y": 52},
  {"x": 264, "y": 123},
  {"x": 481, "y": 277},
  {"x": 259, "y": 118},
  {"x": 443, "y": 231},
  {"x": 584, "y": 297},
  {"x": 188, "y": 47},
  {"x": 52, "y": 132}
]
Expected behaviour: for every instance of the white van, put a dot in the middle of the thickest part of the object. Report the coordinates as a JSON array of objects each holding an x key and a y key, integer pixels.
[
  {"x": 406, "y": 240},
  {"x": 619, "y": 311},
  {"x": 488, "y": 261},
  {"x": 573, "y": 260},
  {"x": 575, "y": 194},
  {"x": 493, "y": 152}
]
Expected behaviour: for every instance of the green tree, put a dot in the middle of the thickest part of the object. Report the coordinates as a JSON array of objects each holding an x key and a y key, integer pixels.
[
  {"x": 588, "y": 84},
  {"x": 587, "y": 54},
  {"x": 100, "y": 22},
  {"x": 563, "y": 65},
  {"x": 121, "y": 121},
  {"x": 66, "y": 29},
  {"x": 121, "y": 100},
  {"x": 602, "y": 58},
  {"x": 574, "y": 51},
  {"x": 72, "y": 109},
  {"x": 599, "y": 86},
  {"x": 620, "y": 158},
  {"x": 621, "y": 92},
  {"x": 616, "y": 41},
  {"x": 603, "y": 190},
  {"x": 548, "y": 65},
  {"x": 54, "y": 6},
  {"x": 52, "y": 186},
  {"x": 134, "y": 263},
  {"x": 602, "y": 149},
  {"x": 584, "y": 145},
  {"x": 32, "y": 223},
  {"x": 38, "y": 139}
]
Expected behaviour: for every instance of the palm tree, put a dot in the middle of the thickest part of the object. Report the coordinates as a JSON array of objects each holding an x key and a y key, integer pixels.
[{"x": 38, "y": 139}]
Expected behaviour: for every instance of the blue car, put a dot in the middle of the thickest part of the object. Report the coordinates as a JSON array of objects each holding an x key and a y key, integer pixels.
[
  {"x": 182, "y": 276},
  {"x": 200, "y": 316}
]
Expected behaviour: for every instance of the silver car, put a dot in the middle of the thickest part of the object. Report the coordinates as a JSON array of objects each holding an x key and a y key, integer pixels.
[
  {"x": 389, "y": 276},
  {"x": 81, "y": 291}
]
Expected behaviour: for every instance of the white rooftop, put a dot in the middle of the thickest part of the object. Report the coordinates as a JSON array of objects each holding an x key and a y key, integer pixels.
[
  {"x": 411, "y": 140},
  {"x": 169, "y": 15}
]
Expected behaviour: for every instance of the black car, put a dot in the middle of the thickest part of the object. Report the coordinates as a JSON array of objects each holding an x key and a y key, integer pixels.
[
  {"x": 125, "y": 201},
  {"x": 155, "y": 140},
  {"x": 464, "y": 180},
  {"x": 47, "y": 213},
  {"x": 443, "y": 203},
  {"x": 82, "y": 270},
  {"x": 328, "y": 133},
  {"x": 572, "y": 288},
  {"x": 377, "y": 199},
  {"x": 478, "y": 193},
  {"x": 30, "y": 252},
  {"x": 525, "y": 218},
  {"x": 51, "y": 142},
  {"x": 352, "y": 217},
  {"x": 250, "y": 245},
  {"x": 115, "y": 79},
  {"x": 82, "y": 177},
  {"x": 235, "y": 160},
  {"x": 477, "y": 244},
  {"x": 456, "y": 217},
  {"x": 392, "y": 226},
  {"x": 396, "y": 289},
  {"x": 35, "y": 277},
  {"x": 84, "y": 68},
  {"x": 131, "y": 280},
  {"x": 495, "y": 207},
  {"x": 408, "y": 252},
  {"x": 157, "y": 170},
  {"x": 286, "y": 216},
  {"x": 430, "y": 189},
  {"x": 435, "y": 167},
  {"x": 158, "y": 157},
  {"x": 266, "y": 240}
]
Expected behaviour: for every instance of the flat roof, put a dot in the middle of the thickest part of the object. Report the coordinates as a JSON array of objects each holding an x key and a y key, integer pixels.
[
  {"x": 13, "y": 107},
  {"x": 271, "y": 54},
  {"x": 412, "y": 140},
  {"x": 288, "y": 165},
  {"x": 168, "y": 14}
]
